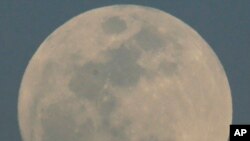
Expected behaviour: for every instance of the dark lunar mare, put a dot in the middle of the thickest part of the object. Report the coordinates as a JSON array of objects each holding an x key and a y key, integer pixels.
[{"x": 120, "y": 70}]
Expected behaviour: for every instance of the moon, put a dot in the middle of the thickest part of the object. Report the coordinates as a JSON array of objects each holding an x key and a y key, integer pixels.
[{"x": 124, "y": 73}]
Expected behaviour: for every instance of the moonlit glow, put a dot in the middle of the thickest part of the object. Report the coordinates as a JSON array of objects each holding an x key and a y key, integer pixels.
[{"x": 124, "y": 73}]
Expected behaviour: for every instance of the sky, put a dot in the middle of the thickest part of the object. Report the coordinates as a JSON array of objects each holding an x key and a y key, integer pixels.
[{"x": 24, "y": 25}]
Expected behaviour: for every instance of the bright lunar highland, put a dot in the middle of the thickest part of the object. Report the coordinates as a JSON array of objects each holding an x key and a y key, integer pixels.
[{"x": 124, "y": 73}]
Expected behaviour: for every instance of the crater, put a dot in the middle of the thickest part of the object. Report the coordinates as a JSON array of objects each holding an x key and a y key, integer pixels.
[{"x": 114, "y": 25}]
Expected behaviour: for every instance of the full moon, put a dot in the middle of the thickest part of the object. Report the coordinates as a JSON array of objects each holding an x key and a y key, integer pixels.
[{"x": 124, "y": 73}]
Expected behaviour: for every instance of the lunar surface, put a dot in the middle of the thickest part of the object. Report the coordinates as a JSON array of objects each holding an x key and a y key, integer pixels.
[{"x": 124, "y": 73}]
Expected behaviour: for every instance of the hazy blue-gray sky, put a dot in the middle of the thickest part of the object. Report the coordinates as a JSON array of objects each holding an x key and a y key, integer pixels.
[{"x": 224, "y": 24}]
